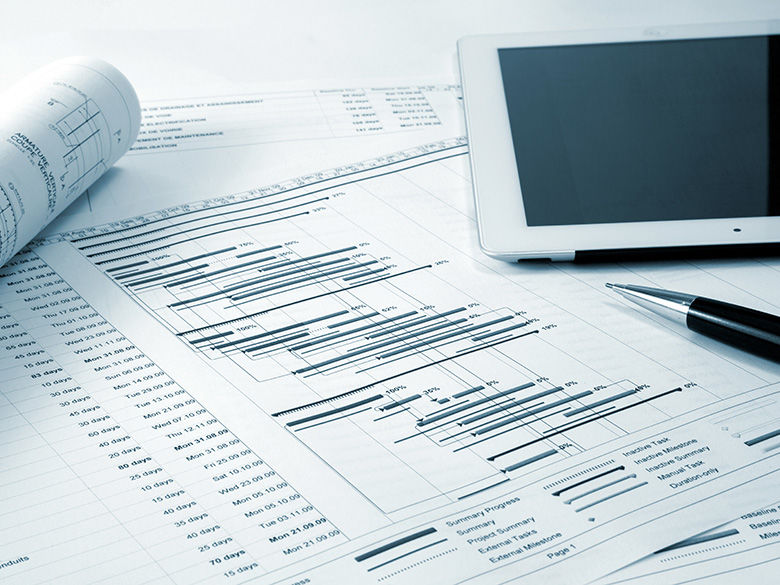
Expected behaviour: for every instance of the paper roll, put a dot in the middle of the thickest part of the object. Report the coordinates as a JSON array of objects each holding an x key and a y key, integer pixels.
[{"x": 61, "y": 128}]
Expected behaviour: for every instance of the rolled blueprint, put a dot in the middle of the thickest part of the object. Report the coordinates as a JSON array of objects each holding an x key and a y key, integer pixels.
[{"x": 61, "y": 128}]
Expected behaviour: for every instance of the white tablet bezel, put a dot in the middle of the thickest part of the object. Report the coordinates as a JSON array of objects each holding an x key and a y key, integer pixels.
[{"x": 503, "y": 231}]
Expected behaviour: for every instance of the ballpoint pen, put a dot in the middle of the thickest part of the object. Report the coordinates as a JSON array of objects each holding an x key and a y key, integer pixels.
[{"x": 747, "y": 329}]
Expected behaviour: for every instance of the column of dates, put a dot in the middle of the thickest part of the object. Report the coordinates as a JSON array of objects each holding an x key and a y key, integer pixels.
[{"x": 186, "y": 495}]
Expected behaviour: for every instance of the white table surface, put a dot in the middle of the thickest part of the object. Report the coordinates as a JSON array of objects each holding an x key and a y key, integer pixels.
[{"x": 176, "y": 48}]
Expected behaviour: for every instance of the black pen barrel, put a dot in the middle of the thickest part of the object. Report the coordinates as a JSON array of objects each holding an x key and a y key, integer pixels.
[{"x": 753, "y": 331}]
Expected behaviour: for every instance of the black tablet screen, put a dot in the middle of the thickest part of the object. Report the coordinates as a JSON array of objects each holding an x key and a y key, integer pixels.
[{"x": 646, "y": 131}]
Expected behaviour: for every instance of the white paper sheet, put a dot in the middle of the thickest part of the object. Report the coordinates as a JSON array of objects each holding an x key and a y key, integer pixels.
[
  {"x": 283, "y": 382},
  {"x": 746, "y": 550},
  {"x": 61, "y": 128},
  {"x": 194, "y": 148}
]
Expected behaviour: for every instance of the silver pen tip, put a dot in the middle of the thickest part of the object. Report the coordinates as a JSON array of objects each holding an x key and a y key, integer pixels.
[{"x": 615, "y": 286}]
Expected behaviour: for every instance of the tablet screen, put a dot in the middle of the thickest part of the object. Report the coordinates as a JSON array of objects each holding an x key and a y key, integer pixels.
[{"x": 646, "y": 131}]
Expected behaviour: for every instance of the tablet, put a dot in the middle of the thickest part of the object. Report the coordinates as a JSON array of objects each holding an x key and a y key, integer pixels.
[{"x": 588, "y": 144}]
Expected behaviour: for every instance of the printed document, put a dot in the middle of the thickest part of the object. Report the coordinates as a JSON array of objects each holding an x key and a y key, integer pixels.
[{"x": 323, "y": 379}]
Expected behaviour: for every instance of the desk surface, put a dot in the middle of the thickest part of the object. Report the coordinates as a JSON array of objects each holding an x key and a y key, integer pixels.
[{"x": 242, "y": 43}]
